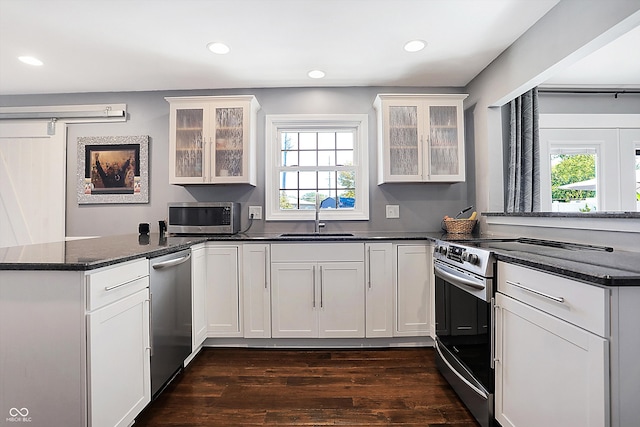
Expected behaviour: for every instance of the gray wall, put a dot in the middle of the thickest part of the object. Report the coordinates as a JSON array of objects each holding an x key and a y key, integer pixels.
[
  {"x": 606, "y": 103},
  {"x": 421, "y": 205}
]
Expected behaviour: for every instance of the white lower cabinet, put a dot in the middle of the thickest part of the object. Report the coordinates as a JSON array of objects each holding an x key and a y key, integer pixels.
[
  {"x": 317, "y": 291},
  {"x": 223, "y": 302},
  {"x": 412, "y": 290},
  {"x": 379, "y": 290},
  {"x": 118, "y": 347},
  {"x": 549, "y": 372},
  {"x": 119, "y": 361},
  {"x": 198, "y": 292},
  {"x": 256, "y": 290}
]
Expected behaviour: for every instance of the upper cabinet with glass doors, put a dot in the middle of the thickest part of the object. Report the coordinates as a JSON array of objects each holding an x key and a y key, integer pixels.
[
  {"x": 213, "y": 139},
  {"x": 420, "y": 138}
]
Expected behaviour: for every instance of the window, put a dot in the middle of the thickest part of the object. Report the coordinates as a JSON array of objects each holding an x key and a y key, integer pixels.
[
  {"x": 573, "y": 179},
  {"x": 321, "y": 158}
]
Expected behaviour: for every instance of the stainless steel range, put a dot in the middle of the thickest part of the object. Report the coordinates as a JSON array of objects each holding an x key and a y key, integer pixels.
[{"x": 464, "y": 291}]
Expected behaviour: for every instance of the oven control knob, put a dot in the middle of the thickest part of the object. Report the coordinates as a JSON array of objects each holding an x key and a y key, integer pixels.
[
  {"x": 442, "y": 250},
  {"x": 470, "y": 258}
]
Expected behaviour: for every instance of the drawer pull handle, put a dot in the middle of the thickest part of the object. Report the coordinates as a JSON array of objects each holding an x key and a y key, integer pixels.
[
  {"x": 110, "y": 288},
  {"x": 533, "y": 291}
]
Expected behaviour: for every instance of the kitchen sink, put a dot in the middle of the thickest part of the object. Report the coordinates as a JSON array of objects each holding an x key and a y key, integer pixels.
[{"x": 317, "y": 235}]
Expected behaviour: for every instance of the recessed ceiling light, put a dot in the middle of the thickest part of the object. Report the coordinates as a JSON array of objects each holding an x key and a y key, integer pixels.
[
  {"x": 30, "y": 60},
  {"x": 316, "y": 74},
  {"x": 219, "y": 48},
  {"x": 414, "y": 45}
]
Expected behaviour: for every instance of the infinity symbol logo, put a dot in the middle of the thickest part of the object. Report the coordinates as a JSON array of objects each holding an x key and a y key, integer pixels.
[{"x": 14, "y": 412}]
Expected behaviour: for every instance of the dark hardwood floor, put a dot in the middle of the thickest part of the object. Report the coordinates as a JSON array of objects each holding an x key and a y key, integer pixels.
[{"x": 244, "y": 387}]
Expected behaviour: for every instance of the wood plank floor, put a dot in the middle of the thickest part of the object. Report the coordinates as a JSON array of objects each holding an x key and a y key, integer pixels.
[{"x": 245, "y": 387}]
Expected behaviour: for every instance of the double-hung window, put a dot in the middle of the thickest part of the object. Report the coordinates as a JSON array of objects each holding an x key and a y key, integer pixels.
[{"x": 317, "y": 160}]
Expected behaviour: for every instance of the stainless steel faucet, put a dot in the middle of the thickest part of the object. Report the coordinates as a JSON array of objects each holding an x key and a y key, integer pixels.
[{"x": 318, "y": 224}]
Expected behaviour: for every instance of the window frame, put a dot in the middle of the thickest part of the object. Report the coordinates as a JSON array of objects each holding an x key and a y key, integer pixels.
[{"x": 316, "y": 123}]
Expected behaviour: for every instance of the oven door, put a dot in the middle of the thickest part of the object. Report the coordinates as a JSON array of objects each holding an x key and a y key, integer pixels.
[{"x": 464, "y": 337}]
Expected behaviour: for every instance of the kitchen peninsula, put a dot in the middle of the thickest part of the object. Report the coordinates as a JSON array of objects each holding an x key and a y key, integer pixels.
[{"x": 54, "y": 312}]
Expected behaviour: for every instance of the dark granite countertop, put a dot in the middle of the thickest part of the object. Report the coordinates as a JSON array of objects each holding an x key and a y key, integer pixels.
[
  {"x": 615, "y": 268},
  {"x": 585, "y": 215},
  {"x": 91, "y": 253}
]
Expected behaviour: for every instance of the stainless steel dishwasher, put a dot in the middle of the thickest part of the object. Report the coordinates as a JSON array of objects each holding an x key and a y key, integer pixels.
[{"x": 170, "y": 288}]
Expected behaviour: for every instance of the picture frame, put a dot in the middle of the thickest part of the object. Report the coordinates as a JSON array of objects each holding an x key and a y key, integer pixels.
[{"x": 113, "y": 169}]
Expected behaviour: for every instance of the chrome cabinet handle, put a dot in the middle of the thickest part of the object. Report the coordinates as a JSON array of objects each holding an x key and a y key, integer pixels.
[
  {"x": 492, "y": 358},
  {"x": 314, "y": 286},
  {"x": 369, "y": 267},
  {"x": 321, "y": 288},
  {"x": 533, "y": 291},
  {"x": 266, "y": 263},
  {"x": 110, "y": 288},
  {"x": 150, "y": 324}
]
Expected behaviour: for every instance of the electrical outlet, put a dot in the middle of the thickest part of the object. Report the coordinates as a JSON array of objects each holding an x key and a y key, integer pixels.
[
  {"x": 393, "y": 211},
  {"x": 256, "y": 211}
]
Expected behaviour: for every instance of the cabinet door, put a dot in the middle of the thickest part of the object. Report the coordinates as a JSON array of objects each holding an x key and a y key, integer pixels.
[
  {"x": 119, "y": 369},
  {"x": 341, "y": 295},
  {"x": 187, "y": 151},
  {"x": 230, "y": 151},
  {"x": 402, "y": 148},
  {"x": 198, "y": 295},
  {"x": 548, "y": 372},
  {"x": 412, "y": 291},
  {"x": 223, "y": 292},
  {"x": 293, "y": 300},
  {"x": 256, "y": 291},
  {"x": 379, "y": 290},
  {"x": 444, "y": 140}
]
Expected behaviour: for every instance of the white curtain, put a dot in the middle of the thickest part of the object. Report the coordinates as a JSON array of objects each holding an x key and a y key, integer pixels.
[{"x": 523, "y": 187}]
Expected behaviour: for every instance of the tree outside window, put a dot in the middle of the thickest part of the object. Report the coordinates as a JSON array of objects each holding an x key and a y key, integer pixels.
[{"x": 573, "y": 178}]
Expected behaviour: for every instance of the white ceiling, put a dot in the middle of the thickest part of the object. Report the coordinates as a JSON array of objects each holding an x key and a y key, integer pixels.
[{"x": 141, "y": 45}]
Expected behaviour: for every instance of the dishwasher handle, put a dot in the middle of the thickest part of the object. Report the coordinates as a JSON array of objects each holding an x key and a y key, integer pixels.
[{"x": 171, "y": 262}]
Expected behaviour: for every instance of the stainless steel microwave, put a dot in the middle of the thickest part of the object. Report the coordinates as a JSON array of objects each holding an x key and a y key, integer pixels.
[{"x": 204, "y": 218}]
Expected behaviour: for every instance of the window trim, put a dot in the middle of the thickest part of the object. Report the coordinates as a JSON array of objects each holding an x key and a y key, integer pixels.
[{"x": 275, "y": 123}]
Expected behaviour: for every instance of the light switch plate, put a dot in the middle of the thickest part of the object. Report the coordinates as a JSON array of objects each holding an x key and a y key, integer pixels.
[
  {"x": 256, "y": 211},
  {"x": 393, "y": 211}
]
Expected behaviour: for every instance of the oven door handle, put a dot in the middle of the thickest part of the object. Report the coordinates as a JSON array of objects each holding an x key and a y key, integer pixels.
[{"x": 456, "y": 279}]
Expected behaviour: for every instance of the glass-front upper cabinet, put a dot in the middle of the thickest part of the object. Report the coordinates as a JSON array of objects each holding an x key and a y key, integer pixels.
[
  {"x": 213, "y": 140},
  {"x": 420, "y": 138}
]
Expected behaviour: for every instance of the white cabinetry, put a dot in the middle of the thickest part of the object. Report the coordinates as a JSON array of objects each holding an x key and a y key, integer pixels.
[
  {"x": 552, "y": 355},
  {"x": 223, "y": 302},
  {"x": 318, "y": 290},
  {"x": 420, "y": 138},
  {"x": 118, "y": 344},
  {"x": 379, "y": 291},
  {"x": 213, "y": 139},
  {"x": 256, "y": 290},
  {"x": 412, "y": 290},
  {"x": 198, "y": 295},
  {"x": 83, "y": 338}
]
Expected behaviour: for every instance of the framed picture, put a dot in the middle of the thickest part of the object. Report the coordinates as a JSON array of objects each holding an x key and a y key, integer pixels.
[{"x": 113, "y": 169}]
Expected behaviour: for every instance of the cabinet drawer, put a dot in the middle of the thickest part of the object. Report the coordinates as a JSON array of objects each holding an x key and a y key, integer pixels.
[
  {"x": 584, "y": 305},
  {"x": 110, "y": 284},
  {"x": 317, "y": 252}
]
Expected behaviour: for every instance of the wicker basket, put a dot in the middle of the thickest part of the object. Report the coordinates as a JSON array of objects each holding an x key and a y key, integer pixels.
[{"x": 459, "y": 226}]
